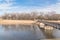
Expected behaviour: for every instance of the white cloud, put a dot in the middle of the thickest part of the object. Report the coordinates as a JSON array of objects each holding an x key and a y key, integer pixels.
[
  {"x": 7, "y": 7},
  {"x": 55, "y": 7}
]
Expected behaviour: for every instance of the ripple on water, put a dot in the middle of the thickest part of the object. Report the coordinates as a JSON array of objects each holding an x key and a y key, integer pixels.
[
  {"x": 20, "y": 33},
  {"x": 56, "y": 33}
]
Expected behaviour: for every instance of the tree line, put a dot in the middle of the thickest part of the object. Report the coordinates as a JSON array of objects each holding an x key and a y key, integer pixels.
[{"x": 31, "y": 16}]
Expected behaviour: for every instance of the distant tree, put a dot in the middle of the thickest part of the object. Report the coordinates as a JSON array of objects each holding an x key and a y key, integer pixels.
[{"x": 34, "y": 15}]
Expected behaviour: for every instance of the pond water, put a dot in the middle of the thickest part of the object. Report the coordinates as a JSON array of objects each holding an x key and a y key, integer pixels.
[{"x": 24, "y": 32}]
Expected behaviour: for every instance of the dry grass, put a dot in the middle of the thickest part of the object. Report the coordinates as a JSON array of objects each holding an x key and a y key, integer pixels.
[
  {"x": 24, "y": 22},
  {"x": 58, "y": 21}
]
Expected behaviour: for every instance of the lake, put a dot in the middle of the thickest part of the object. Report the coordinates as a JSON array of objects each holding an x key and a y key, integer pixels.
[{"x": 24, "y": 32}]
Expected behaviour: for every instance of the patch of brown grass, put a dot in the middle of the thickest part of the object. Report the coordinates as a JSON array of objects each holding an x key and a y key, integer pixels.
[{"x": 17, "y": 22}]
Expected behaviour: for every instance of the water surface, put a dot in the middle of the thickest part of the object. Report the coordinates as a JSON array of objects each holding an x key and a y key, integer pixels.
[
  {"x": 20, "y": 32},
  {"x": 26, "y": 32}
]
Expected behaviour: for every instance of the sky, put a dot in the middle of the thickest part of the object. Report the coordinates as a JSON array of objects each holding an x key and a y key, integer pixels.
[{"x": 17, "y": 6}]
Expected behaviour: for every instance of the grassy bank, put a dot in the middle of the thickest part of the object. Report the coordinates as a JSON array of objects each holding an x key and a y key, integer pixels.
[
  {"x": 24, "y": 22},
  {"x": 54, "y": 21}
]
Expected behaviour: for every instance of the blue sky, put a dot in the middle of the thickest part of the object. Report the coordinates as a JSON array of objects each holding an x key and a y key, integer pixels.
[
  {"x": 35, "y": 2},
  {"x": 14, "y": 6}
]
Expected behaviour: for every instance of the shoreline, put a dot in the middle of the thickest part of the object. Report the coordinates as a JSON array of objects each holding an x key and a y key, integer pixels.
[{"x": 22, "y": 22}]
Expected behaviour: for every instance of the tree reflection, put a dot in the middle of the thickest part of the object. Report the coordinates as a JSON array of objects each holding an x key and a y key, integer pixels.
[{"x": 17, "y": 27}]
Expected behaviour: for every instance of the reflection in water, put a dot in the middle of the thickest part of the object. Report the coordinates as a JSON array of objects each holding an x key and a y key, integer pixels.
[
  {"x": 26, "y": 32},
  {"x": 48, "y": 34},
  {"x": 16, "y": 27},
  {"x": 20, "y": 32},
  {"x": 56, "y": 33}
]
